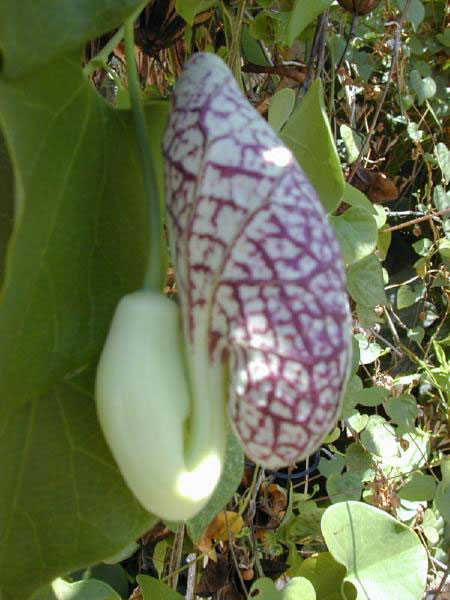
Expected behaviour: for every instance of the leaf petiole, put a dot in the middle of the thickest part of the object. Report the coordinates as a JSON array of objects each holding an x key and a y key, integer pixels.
[{"x": 155, "y": 275}]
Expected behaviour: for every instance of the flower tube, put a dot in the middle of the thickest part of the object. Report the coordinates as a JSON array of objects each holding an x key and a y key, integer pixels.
[
  {"x": 262, "y": 330},
  {"x": 259, "y": 270}
]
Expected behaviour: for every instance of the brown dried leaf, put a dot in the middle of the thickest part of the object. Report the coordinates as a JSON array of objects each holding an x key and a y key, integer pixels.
[
  {"x": 213, "y": 578},
  {"x": 217, "y": 530}
]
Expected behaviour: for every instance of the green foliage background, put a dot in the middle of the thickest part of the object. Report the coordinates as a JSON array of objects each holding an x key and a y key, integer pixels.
[{"x": 74, "y": 240}]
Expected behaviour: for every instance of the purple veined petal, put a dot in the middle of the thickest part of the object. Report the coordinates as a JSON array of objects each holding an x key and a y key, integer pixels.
[{"x": 259, "y": 270}]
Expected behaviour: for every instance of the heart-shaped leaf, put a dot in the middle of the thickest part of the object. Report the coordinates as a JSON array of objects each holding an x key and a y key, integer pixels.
[
  {"x": 384, "y": 558},
  {"x": 308, "y": 134},
  {"x": 357, "y": 233},
  {"x": 298, "y": 587},
  {"x": 327, "y": 577}
]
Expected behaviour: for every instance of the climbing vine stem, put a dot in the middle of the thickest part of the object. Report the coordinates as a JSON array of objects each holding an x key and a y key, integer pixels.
[{"x": 155, "y": 275}]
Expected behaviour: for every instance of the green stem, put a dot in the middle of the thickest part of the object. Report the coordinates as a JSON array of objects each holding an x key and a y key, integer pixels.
[
  {"x": 154, "y": 277},
  {"x": 100, "y": 59}
]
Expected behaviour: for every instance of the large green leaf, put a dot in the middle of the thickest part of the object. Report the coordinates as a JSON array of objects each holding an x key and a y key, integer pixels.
[
  {"x": 302, "y": 14},
  {"x": 384, "y": 558},
  {"x": 153, "y": 589},
  {"x": 365, "y": 282},
  {"x": 80, "y": 590},
  {"x": 63, "y": 503},
  {"x": 420, "y": 488},
  {"x": 298, "y": 587},
  {"x": 81, "y": 238},
  {"x": 357, "y": 233},
  {"x": 34, "y": 33},
  {"x": 189, "y": 8},
  {"x": 6, "y": 203},
  {"x": 356, "y": 198},
  {"x": 280, "y": 107},
  {"x": 327, "y": 576},
  {"x": 307, "y": 133}
]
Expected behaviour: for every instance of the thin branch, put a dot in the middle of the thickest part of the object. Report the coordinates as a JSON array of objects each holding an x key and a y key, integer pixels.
[
  {"x": 388, "y": 344},
  {"x": 319, "y": 35},
  {"x": 394, "y": 63},
  {"x": 175, "y": 558},
  {"x": 155, "y": 275},
  {"x": 351, "y": 36},
  {"x": 280, "y": 70},
  {"x": 100, "y": 59},
  {"x": 233, "y": 554},
  {"x": 418, "y": 220}
]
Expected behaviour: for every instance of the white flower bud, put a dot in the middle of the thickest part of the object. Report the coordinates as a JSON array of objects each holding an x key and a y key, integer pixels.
[{"x": 169, "y": 452}]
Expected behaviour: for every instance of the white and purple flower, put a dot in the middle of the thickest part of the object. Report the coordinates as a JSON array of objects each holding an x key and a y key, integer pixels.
[
  {"x": 259, "y": 270},
  {"x": 263, "y": 328}
]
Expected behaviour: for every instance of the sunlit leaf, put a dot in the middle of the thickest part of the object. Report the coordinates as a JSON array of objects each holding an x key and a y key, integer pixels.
[
  {"x": 365, "y": 282},
  {"x": 153, "y": 589},
  {"x": 327, "y": 576},
  {"x": 369, "y": 350},
  {"x": 352, "y": 143},
  {"x": 372, "y": 396},
  {"x": 356, "y": 198},
  {"x": 404, "y": 411},
  {"x": 298, "y": 587},
  {"x": 358, "y": 460},
  {"x": 408, "y": 295},
  {"x": 419, "y": 488},
  {"x": 303, "y": 13},
  {"x": 384, "y": 558},
  {"x": 357, "y": 234},
  {"x": 443, "y": 157},
  {"x": 280, "y": 108},
  {"x": 379, "y": 438},
  {"x": 329, "y": 466},
  {"x": 347, "y": 486},
  {"x": 308, "y": 134},
  {"x": 90, "y": 589},
  {"x": 425, "y": 87}
]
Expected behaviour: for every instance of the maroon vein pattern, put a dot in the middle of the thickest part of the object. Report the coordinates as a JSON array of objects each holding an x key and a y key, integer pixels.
[{"x": 258, "y": 268}]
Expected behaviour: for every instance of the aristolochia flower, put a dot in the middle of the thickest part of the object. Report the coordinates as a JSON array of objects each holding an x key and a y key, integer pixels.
[
  {"x": 263, "y": 326},
  {"x": 258, "y": 268}
]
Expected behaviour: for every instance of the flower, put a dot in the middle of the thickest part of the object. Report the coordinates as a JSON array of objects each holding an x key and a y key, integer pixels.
[
  {"x": 259, "y": 270},
  {"x": 263, "y": 325}
]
